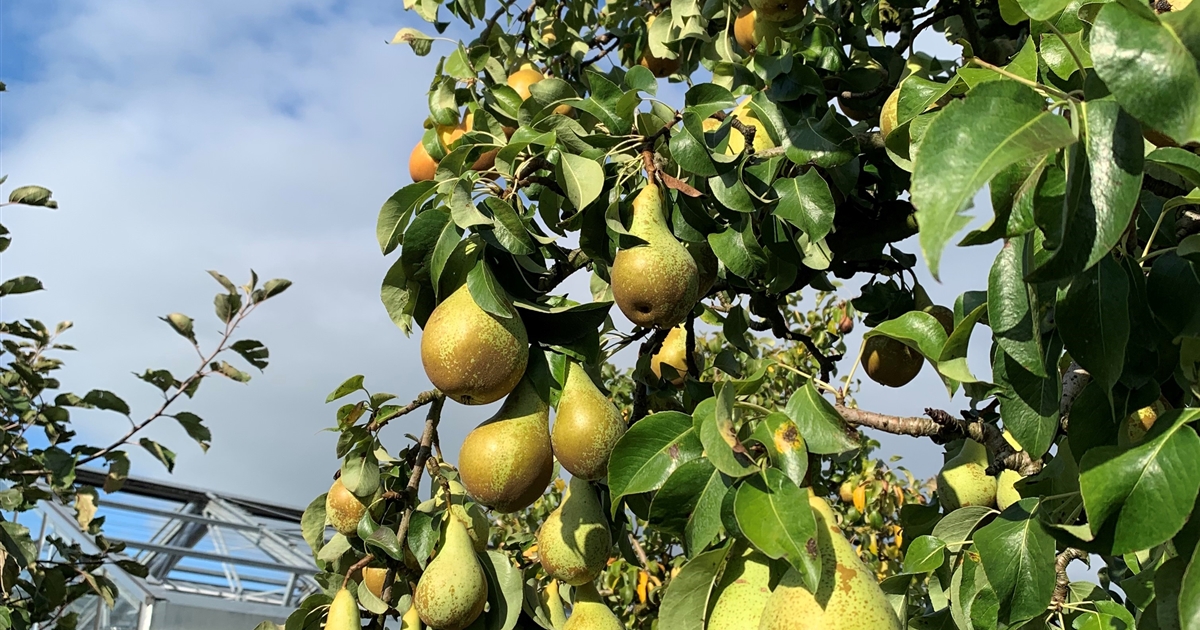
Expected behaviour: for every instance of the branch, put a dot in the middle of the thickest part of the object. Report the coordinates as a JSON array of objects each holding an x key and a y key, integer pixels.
[
  {"x": 641, "y": 395},
  {"x": 491, "y": 23},
  {"x": 1061, "y": 582},
  {"x": 563, "y": 269},
  {"x": 690, "y": 347},
  {"x": 776, "y": 323},
  {"x": 943, "y": 427},
  {"x": 422, "y": 399},
  {"x": 424, "y": 450},
  {"x": 1073, "y": 383}
]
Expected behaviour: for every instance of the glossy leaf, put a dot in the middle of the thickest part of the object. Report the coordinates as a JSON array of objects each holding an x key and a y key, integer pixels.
[
  {"x": 1011, "y": 309},
  {"x": 958, "y": 156},
  {"x": 824, "y": 430},
  {"x": 773, "y": 513},
  {"x": 1098, "y": 332},
  {"x": 806, "y": 203},
  {"x": 924, "y": 554},
  {"x": 582, "y": 178},
  {"x": 686, "y": 601},
  {"x": 1147, "y": 490},
  {"x": 784, "y": 444},
  {"x": 649, "y": 452},
  {"x": 1018, "y": 557}
]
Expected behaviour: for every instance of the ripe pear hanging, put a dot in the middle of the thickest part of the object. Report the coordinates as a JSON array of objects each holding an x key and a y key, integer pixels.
[
  {"x": 586, "y": 426},
  {"x": 471, "y": 355},
  {"x": 590, "y": 612},
  {"x": 506, "y": 462},
  {"x": 964, "y": 481},
  {"x": 743, "y": 591},
  {"x": 343, "y": 612},
  {"x": 673, "y": 353},
  {"x": 847, "y": 598},
  {"x": 343, "y": 509},
  {"x": 655, "y": 284},
  {"x": 453, "y": 590},
  {"x": 574, "y": 541}
]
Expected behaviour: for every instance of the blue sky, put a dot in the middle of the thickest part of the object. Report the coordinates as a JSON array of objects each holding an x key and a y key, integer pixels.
[{"x": 185, "y": 136}]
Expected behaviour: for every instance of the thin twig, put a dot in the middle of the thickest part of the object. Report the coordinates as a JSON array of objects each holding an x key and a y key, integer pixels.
[
  {"x": 1062, "y": 583},
  {"x": 424, "y": 450},
  {"x": 422, "y": 399}
]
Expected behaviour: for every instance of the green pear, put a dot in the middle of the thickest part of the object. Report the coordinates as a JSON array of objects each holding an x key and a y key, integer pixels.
[
  {"x": 574, "y": 541},
  {"x": 590, "y": 612},
  {"x": 506, "y": 462},
  {"x": 586, "y": 426},
  {"x": 654, "y": 284},
  {"x": 453, "y": 590},
  {"x": 471, "y": 355},
  {"x": 847, "y": 598},
  {"x": 343, "y": 612},
  {"x": 1006, "y": 491},
  {"x": 743, "y": 590},
  {"x": 964, "y": 481},
  {"x": 890, "y": 362}
]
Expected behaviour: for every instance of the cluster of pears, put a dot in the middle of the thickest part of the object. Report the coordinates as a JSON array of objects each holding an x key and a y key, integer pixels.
[
  {"x": 964, "y": 481},
  {"x": 893, "y": 363},
  {"x": 750, "y": 594}
]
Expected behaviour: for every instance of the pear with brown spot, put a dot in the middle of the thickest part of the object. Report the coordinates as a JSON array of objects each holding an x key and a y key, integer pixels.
[
  {"x": 743, "y": 591},
  {"x": 506, "y": 462},
  {"x": 847, "y": 598},
  {"x": 656, "y": 283}
]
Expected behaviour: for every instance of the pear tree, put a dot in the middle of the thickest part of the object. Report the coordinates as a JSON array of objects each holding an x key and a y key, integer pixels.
[{"x": 721, "y": 166}]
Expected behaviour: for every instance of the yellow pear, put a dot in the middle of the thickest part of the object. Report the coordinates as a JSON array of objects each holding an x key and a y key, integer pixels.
[
  {"x": 471, "y": 355},
  {"x": 890, "y": 362},
  {"x": 749, "y": 31},
  {"x": 964, "y": 481},
  {"x": 343, "y": 509},
  {"x": 506, "y": 462},
  {"x": 889, "y": 115},
  {"x": 737, "y": 142},
  {"x": 452, "y": 591},
  {"x": 743, "y": 590},
  {"x": 1006, "y": 492},
  {"x": 574, "y": 542},
  {"x": 778, "y": 10},
  {"x": 586, "y": 426},
  {"x": 847, "y": 598},
  {"x": 673, "y": 353},
  {"x": 411, "y": 620},
  {"x": 590, "y": 612},
  {"x": 654, "y": 284},
  {"x": 343, "y": 612},
  {"x": 527, "y": 76},
  {"x": 373, "y": 578}
]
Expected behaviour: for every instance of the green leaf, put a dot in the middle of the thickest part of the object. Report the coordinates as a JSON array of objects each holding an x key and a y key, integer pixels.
[
  {"x": 106, "y": 400},
  {"x": 360, "y": 472},
  {"x": 1011, "y": 309},
  {"x": 463, "y": 210},
  {"x": 1148, "y": 69},
  {"x": 254, "y": 352},
  {"x": 952, "y": 361},
  {"x": 1114, "y": 151},
  {"x": 714, "y": 423},
  {"x": 956, "y": 528},
  {"x": 509, "y": 230},
  {"x": 195, "y": 428},
  {"x": 1189, "y": 596},
  {"x": 1098, "y": 330},
  {"x": 824, "y": 430},
  {"x": 271, "y": 288},
  {"x": 227, "y": 306},
  {"x": 582, "y": 178},
  {"x": 20, "y": 284},
  {"x": 228, "y": 371},
  {"x": 729, "y": 189},
  {"x": 15, "y": 539},
  {"x": 160, "y": 452},
  {"x": 917, "y": 329},
  {"x": 649, "y": 452},
  {"x": 1181, "y": 161},
  {"x": 32, "y": 196},
  {"x": 773, "y": 513},
  {"x": 739, "y": 251},
  {"x": 505, "y": 591},
  {"x": 784, "y": 444},
  {"x": 924, "y": 554},
  {"x": 420, "y": 42},
  {"x": 385, "y": 539},
  {"x": 1043, "y": 10},
  {"x": 1029, "y": 404},
  {"x": 1018, "y": 557},
  {"x": 1148, "y": 489},
  {"x": 824, "y": 143},
  {"x": 688, "y": 147},
  {"x": 181, "y": 324},
  {"x": 226, "y": 283},
  {"x": 349, "y": 386},
  {"x": 397, "y": 211},
  {"x": 685, "y": 603},
  {"x": 673, "y": 505},
  {"x": 958, "y": 155},
  {"x": 487, "y": 292},
  {"x": 705, "y": 522},
  {"x": 807, "y": 203}
]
